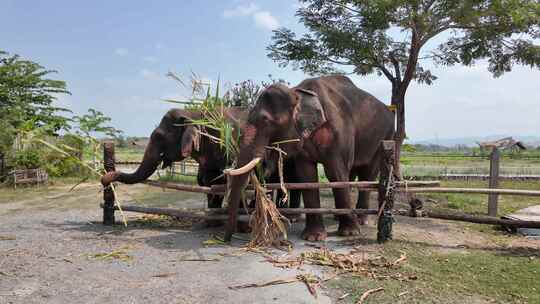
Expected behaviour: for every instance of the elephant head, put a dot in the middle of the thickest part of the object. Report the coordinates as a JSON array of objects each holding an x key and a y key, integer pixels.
[
  {"x": 280, "y": 114},
  {"x": 173, "y": 140}
]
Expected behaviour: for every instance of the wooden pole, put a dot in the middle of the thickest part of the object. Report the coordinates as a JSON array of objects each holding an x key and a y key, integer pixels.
[
  {"x": 472, "y": 191},
  {"x": 295, "y": 211},
  {"x": 361, "y": 186},
  {"x": 221, "y": 214},
  {"x": 493, "y": 199},
  {"x": 181, "y": 187},
  {"x": 478, "y": 219},
  {"x": 108, "y": 194},
  {"x": 216, "y": 213},
  {"x": 386, "y": 190}
]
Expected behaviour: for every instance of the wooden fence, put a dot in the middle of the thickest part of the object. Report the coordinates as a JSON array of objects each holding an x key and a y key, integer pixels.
[{"x": 387, "y": 187}]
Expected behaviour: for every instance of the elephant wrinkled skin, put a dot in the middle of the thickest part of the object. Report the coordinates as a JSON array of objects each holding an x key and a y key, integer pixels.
[{"x": 337, "y": 124}]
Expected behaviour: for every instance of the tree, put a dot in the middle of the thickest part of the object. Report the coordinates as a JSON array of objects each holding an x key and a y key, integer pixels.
[
  {"x": 91, "y": 124},
  {"x": 389, "y": 37},
  {"x": 27, "y": 99},
  {"x": 26, "y": 95}
]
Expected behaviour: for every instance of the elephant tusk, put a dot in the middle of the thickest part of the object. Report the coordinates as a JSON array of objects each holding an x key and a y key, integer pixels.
[{"x": 243, "y": 170}]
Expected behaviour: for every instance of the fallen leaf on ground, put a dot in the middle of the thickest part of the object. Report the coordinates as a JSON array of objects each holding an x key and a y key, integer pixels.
[
  {"x": 270, "y": 283},
  {"x": 165, "y": 275},
  {"x": 367, "y": 293},
  {"x": 214, "y": 241},
  {"x": 401, "y": 259},
  {"x": 7, "y": 238},
  {"x": 119, "y": 254},
  {"x": 200, "y": 260},
  {"x": 344, "y": 296}
]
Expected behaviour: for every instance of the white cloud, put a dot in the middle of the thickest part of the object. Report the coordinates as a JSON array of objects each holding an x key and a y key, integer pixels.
[
  {"x": 241, "y": 10},
  {"x": 121, "y": 51},
  {"x": 148, "y": 74},
  {"x": 262, "y": 19},
  {"x": 150, "y": 59},
  {"x": 265, "y": 20}
]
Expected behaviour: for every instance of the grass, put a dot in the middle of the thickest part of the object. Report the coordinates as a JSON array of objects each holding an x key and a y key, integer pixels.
[
  {"x": 454, "y": 277},
  {"x": 477, "y": 203},
  {"x": 178, "y": 178}
]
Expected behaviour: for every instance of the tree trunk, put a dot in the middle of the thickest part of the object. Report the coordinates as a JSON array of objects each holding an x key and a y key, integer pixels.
[{"x": 398, "y": 101}]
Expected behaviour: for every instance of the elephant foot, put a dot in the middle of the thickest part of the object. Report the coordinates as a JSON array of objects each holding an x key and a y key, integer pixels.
[
  {"x": 314, "y": 233},
  {"x": 243, "y": 227},
  {"x": 214, "y": 223},
  {"x": 362, "y": 219},
  {"x": 348, "y": 226}
]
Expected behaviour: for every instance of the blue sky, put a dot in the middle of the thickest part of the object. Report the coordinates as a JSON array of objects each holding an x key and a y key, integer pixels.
[{"x": 114, "y": 56}]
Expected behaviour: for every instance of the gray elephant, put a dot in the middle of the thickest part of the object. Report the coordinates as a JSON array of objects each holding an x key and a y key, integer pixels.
[
  {"x": 338, "y": 125},
  {"x": 175, "y": 139}
]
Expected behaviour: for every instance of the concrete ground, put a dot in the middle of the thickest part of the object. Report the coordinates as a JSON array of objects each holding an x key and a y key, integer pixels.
[{"x": 53, "y": 249}]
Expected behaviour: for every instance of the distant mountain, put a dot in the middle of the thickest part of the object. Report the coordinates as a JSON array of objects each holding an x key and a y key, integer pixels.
[{"x": 472, "y": 140}]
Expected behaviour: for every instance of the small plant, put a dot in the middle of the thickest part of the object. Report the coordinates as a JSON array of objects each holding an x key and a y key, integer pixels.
[{"x": 27, "y": 159}]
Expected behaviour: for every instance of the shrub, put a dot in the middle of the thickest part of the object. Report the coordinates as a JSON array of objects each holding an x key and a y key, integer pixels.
[{"x": 27, "y": 159}]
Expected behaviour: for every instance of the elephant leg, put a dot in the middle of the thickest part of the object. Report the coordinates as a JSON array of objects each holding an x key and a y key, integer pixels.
[
  {"x": 307, "y": 172},
  {"x": 294, "y": 198},
  {"x": 214, "y": 201},
  {"x": 291, "y": 177},
  {"x": 366, "y": 173},
  {"x": 336, "y": 172}
]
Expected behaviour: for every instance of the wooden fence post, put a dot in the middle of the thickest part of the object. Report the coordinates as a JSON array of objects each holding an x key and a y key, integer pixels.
[
  {"x": 108, "y": 194},
  {"x": 386, "y": 191},
  {"x": 493, "y": 199}
]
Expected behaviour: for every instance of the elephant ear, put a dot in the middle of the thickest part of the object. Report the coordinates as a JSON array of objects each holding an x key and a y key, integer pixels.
[
  {"x": 309, "y": 114},
  {"x": 190, "y": 140}
]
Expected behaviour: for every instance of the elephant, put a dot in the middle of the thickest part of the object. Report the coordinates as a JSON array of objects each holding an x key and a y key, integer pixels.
[
  {"x": 176, "y": 139},
  {"x": 334, "y": 123}
]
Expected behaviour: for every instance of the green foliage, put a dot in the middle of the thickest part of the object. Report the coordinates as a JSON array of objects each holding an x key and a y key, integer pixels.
[
  {"x": 26, "y": 95},
  {"x": 95, "y": 122},
  {"x": 27, "y": 159},
  {"x": 391, "y": 38},
  {"x": 386, "y": 36},
  {"x": 243, "y": 94}
]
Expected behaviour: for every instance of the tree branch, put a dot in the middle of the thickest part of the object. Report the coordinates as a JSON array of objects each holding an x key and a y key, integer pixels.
[
  {"x": 412, "y": 61},
  {"x": 395, "y": 62},
  {"x": 385, "y": 71},
  {"x": 347, "y": 8}
]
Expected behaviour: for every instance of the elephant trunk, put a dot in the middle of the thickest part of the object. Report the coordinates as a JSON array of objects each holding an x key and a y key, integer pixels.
[
  {"x": 149, "y": 164},
  {"x": 251, "y": 153}
]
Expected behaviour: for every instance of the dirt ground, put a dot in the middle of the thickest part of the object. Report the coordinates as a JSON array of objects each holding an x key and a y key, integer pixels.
[{"x": 53, "y": 249}]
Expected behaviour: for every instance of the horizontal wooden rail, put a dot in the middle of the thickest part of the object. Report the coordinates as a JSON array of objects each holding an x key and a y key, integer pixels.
[
  {"x": 333, "y": 185},
  {"x": 478, "y": 219},
  {"x": 473, "y": 191},
  {"x": 221, "y": 214},
  {"x": 181, "y": 187}
]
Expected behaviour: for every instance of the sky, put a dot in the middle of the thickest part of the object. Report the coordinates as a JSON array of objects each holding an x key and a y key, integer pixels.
[{"x": 114, "y": 56}]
